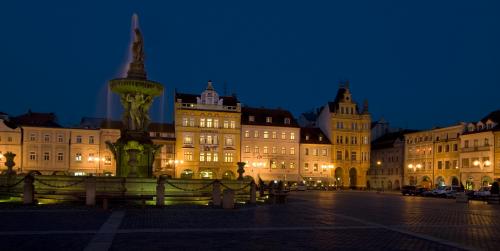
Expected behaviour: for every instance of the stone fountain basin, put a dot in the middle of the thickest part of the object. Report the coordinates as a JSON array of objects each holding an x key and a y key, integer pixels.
[{"x": 127, "y": 85}]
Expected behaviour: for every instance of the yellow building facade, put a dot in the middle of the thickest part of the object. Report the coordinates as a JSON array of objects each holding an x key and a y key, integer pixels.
[
  {"x": 10, "y": 141},
  {"x": 270, "y": 144},
  {"x": 316, "y": 166},
  {"x": 347, "y": 126},
  {"x": 208, "y": 133}
]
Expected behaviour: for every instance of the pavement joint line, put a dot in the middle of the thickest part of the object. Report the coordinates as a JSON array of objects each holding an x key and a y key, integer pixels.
[
  {"x": 402, "y": 231},
  {"x": 104, "y": 237},
  {"x": 239, "y": 229},
  {"x": 47, "y": 232}
]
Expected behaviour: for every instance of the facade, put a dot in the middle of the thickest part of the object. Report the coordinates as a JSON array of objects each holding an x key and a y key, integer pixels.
[
  {"x": 432, "y": 157},
  {"x": 207, "y": 132},
  {"x": 316, "y": 165},
  {"x": 10, "y": 141},
  {"x": 270, "y": 144},
  {"x": 387, "y": 161},
  {"x": 348, "y": 129},
  {"x": 478, "y": 152}
]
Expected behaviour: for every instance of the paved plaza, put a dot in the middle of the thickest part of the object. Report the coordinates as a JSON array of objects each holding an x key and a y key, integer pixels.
[{"x": 320, "y": 220}]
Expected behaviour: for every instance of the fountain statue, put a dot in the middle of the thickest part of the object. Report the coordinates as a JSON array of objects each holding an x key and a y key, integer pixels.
[{"x": 134, "y": 151}]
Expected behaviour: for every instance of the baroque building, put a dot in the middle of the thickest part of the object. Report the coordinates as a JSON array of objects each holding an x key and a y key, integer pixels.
[
  {"x": 207, "y": 132},
  {"x": 270, "y": 144},
  {"x": 347, "y": 126}
]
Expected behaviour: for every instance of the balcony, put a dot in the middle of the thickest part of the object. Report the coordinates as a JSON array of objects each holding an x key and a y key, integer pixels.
[{"x": 476, "y": 149}]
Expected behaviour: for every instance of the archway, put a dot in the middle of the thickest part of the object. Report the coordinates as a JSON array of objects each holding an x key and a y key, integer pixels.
[
  {"x": 207, "y": 174},
  {"x": 486, "y": 181},
  {"x": 397, "y": 185},
  {"x": 228, "y": 175},
  {"x": 187, "y": 174},
  {"x": 426, "y": 182},
  {"x": 339, "y": 173},
  {"x": 353, "y": 177},
  {"x": 440, "y": 181},
  {"x": 454, "y": 181},
  {"x": 389, "y": 185}
]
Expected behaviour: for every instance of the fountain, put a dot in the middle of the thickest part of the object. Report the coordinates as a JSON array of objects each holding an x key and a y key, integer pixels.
[{"x": 134, "y": 151}]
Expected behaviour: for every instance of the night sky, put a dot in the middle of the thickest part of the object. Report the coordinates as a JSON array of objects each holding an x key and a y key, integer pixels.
[{"x": 419, "y": 63}]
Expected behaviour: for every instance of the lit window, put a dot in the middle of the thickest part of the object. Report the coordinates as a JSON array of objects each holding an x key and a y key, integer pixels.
[
  {"x": 228, "y": 157},
  {"x": 209, "y": 123},
  {"x": 266, "y": 134},
  {"x": 247, "y": 149},
  {"x": 216, "y": 157},
  {"x": 315, "y": 152},
  {"x": 283, "y": 135},
  {"x": 216, "y": 123},
  {"x": 78, "y": 157},
  {"x": 274, "y": 135},
  {"x": 266, "y": 149},
  {"x": 282, "y": 165},
  {"x": 273, "y": 164},
  {"x": 292, "y": 135},
  {"x": 292, "y": 165},
  {"x": 292, "y": 150},
  {"x": 191, "y": 121},
  {"x": 256, "y": 149},
  {"x": 188, "y": 139},
  {"x": 255, "y": 134},
  {"x": 233, "y": 124},
  {"x": 184, "y": 121},
  {"x": 247, "y": 134},
  {"x": 91, "y": 157},
  {"x": 32, "y": 156},
  {"x": 269, "y": 119},
  {"x": 202, "y": 156},
  {"x": 324, "y": 152},
  {"x": 229, "y": 141},
  {"x": 107, "y": 160},
  {"x": 226, "y": 124},
  {"x": 202, "y": 122},
  {"x": 188, "y": 155},
  {"x": 60, "y": 156}
]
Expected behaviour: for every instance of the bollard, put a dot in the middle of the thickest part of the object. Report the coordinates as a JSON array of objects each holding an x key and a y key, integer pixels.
[
  {"x": 90, "y": 191},
  {"x": 216, "y": 193},
  {"x": 29, "y": 190},
  {"x": 253, "y": 193},
  {"x": 160, "y": 192},
  {"x": 228, "y": 199}
]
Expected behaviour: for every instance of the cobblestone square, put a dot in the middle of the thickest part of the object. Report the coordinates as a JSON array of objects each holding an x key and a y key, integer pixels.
[{"x": 312, "y": 220}]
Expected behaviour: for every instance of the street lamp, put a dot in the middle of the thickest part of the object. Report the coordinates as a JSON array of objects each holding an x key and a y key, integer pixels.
[
  {"x": 328, "y": 167},
  {"x": 379, "y": 164},
  {"x": 415, "y": 167}
]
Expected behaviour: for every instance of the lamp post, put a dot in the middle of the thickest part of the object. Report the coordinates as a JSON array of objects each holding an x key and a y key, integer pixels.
[
  {"x": 328, "y": 167},
  {"x": 173, "y": 163},
  {"x": 481, "y": 165},
  {"x": 378, "y": 166}
]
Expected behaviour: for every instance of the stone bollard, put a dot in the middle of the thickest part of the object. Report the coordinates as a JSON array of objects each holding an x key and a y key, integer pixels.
[
  {"x": 90, "y": 191},
  {"x": 216, "y": 193},
  {"x": 160, "y": 192},
  {"x": 228, "y": 199},
  {"x": 253, "y": 193},
  {"x": 29, "y": 190}
]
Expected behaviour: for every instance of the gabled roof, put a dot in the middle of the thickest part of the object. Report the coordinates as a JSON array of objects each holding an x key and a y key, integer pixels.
[
  {"x": 388, "y": 139},
  {"x": 309, "y": 135},
  {"x": 493, "y": 116},
  {"x": 36, "y": 119},
  {"x": 191, "y": 99},
  {"x": 260, "y": 114}
]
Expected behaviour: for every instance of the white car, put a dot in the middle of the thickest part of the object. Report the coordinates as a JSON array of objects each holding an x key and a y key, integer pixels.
[{"x": 301, "y": 187}]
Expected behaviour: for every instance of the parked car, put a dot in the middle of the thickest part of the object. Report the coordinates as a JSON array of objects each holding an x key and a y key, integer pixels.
[
  {"x": 301, "y": 187},
  {"x": 482, "y": 192},
  {"x": 419, "y": 191},
  {"x": 408, "y": 190}
]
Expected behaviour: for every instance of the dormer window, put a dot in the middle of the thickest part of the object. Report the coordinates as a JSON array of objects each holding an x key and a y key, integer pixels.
[
  {"x": 287, "y": 121},
  {"x": 320, "y": 138},
  {"x": 269, "y": 119},
  {"x": 251, "y": 118},
  {"x": 307, "y": 137}
]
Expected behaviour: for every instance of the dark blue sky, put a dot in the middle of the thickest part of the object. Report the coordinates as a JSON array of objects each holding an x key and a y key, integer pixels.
[{"x": 419, "y": 63}]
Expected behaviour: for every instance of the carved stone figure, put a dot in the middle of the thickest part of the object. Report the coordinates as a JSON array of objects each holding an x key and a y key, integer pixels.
[{"x": 138, "y": 46}]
